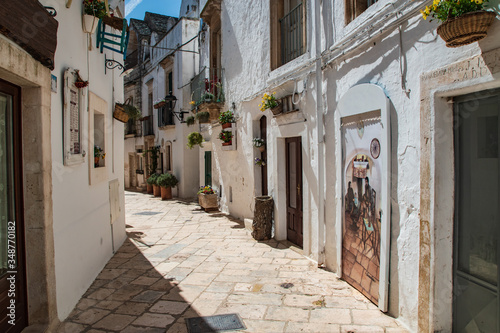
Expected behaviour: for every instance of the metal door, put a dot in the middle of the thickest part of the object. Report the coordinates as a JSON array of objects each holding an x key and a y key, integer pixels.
[
  {"x": 208, "y": 168},
  {"x": 294, "y": 190},
  {"x": 477, "y": 214}
]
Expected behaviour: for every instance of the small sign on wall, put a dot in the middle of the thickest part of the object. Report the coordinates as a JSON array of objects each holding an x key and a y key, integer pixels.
[{"x": 53, "y": 83}]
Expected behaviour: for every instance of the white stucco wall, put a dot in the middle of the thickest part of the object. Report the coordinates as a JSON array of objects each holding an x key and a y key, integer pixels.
[
  {"x": 82, "y": 231},
  {"x": 417, "y": 49}
]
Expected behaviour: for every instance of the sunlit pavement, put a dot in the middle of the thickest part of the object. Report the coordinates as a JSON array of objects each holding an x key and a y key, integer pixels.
[{"x": 181, "y": 262}]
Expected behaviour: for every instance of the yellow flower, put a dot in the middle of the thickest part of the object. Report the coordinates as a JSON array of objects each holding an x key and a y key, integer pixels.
[
  {"x": 192, "y": 102},
  {"x": 436, "y": 2},
  {"x": 479, "y": 2},
  {"x": 424, "y": 15}
]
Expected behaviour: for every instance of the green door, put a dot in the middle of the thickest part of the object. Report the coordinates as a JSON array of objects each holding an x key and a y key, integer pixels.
[
  {"x": 208, "y": 168},
  {"x": 12, "y": 283},
  {"x": 477, "y": 214}
]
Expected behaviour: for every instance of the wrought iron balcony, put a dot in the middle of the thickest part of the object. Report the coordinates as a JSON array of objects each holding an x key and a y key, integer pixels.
[
  {"x": 292, "y": 34},
  {"x": 206, "y": 87}
]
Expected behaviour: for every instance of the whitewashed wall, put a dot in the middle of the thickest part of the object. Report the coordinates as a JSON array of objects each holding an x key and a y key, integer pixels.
[
  {"x": 378, "y": 60},
  {"x": 82, "y": 231}
]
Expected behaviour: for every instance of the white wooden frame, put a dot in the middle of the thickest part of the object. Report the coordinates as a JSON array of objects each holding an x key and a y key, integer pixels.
[
  {"x": 69, "y": 86},
  {"x": 361, "y": 99}
]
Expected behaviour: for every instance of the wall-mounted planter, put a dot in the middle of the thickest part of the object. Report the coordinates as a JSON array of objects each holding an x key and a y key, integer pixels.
[
  {"x": 466, "y": 29},
  {"x": 89, "y": 23}
]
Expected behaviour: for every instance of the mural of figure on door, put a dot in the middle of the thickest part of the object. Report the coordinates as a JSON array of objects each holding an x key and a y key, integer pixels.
[{"x": 362, "y": 213}]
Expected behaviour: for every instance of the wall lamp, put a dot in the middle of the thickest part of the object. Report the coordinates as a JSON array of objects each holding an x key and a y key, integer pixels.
[{"x": 171, "y": 101}]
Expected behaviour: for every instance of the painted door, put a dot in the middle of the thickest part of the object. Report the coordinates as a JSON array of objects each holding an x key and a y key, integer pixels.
[
  {"x": 263, "y": 155},
  {"x": 12, "y": 282},
  {"x": 477, "y": 214},
  {"x": 208, "y": 168},
  {"x": 294, "y": 190}
]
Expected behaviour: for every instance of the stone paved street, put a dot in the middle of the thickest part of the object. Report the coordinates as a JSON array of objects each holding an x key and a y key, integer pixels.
[{"x": 181, "y": 262}]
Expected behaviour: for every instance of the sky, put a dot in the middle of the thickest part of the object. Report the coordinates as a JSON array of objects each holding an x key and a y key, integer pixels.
[{"x": 137, "y": 8}]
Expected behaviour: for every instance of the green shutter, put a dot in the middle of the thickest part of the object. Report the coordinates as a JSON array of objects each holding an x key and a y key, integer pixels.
[{"x": 208, "y": 168}]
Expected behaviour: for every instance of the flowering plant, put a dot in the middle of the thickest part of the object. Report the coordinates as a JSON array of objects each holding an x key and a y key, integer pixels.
[
  {"x": 192, "y": 103},
  {"x": 445, "y": 9},
  {"x": 259, "y": 162},
  {"x": 207, "y": 189},
  {"x": 226, "y": 117},
  {"x": 258, "y": 142},
  {"x": 268, "y": 102},
  {"x": 95, "y": 8},
  {"x": 99, "y": 152},
  {"x": 226, "y": 136}
]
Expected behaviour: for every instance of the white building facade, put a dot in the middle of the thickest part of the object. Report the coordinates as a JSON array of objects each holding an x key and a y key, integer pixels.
[
  {"x": 69, "y": 209},
  {"x": 364, "y": 162},
  {"x": 163, "y": 55}
]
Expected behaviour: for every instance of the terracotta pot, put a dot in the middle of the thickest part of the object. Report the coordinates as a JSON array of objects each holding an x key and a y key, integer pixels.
[
  {"x": 96, "y": 161},
  {"x": 227, "y": 143},
  {"x": 226, "y": 125},
  {"x": 149, "y": 189},
  {"x": 262, "y": 148},
  {"x": 89, "y": 23},
  {"x": 208, "y": 201},
  {"x": 166, "y": 193},
  {"x": 156, "y": 190},
  {"x": 466, "y": 29}
]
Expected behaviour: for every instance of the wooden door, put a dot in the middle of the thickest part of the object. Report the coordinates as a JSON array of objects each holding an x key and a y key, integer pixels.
[
  {"x": 208, "y": 168},
  {"x": 13, "y": 314},
  {"x": 294, "y": 190},
  {"x": 263, "y": 155}
]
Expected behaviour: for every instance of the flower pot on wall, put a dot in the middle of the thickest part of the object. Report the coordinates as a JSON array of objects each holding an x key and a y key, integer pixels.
[
  {"x": 96, "y": 161},
  {"x": 156, "y": 190},
  {"x": 262, "y": 148},
  {"x": 227, "y": 143},
  {"x": 277, "y": 109},
  {"x": 89, "y": 23},
  {"x": 226, "y": 125},
  {"x": 465, "y": 29},
  {"x": 166, "y": 193}
]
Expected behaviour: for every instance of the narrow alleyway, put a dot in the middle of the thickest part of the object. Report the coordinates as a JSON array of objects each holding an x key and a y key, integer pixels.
[{"x": 180, "y": 262}]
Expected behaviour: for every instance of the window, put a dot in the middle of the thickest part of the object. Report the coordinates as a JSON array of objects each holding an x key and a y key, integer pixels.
[
  {"x": 73, "y": 105},
  {"x": 165, "y": 116},
  {"x": 98, "y": 138},
  {"x": 168, "y": 158},
  {"x": 170, "y": 86},
  {"x": 288, "y": 34},
  {"x": 354, "y": 8}
]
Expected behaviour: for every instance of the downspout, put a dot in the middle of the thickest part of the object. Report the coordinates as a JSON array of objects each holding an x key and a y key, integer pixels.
[{"x": 320, "y": 135}]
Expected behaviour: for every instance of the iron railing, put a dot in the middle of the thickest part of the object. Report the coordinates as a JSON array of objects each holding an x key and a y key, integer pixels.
[
  {"x": 207, "y": 86},
  {"x": 147, "y": 125},
  {"x": 292, "y": 34}
]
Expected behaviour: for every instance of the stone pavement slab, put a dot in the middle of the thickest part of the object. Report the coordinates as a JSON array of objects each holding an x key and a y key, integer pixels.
[{"x": 184, "y": 262}]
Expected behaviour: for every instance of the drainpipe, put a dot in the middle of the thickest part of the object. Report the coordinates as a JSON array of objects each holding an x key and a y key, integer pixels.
[{"x": 320, "y": 135}]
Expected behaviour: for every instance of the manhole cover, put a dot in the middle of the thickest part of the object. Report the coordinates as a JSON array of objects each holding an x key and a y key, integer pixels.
[
  {"x": 286, "y": 285},
  {"x": 147, "y": 213},
  {"x": 217, "y": 323}
]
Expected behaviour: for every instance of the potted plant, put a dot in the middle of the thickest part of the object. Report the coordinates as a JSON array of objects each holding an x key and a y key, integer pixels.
[
  {"x": 159, "y": 103},
  {"x": 150, "y": 182},
  {"x": 93, "y": 10},
  {"x": 463, "y": 22},
  {"x": 226, "y": 137},
  {"x": 226, "y": 119},
  {"x": 207, "y": 97},
  {"x": 259, "y": 144},
  {"x": 194, "y": 139},
  {"x": 207, "y": 198},
  {"x": 259, "y": 162},
  {"x": 98, "y": 153},
  {"x": 203, "y": 117},
  {"x": 156, "y": 187},
  {"x": 190, "y": 120},
  {"x": 166, "y": 182},
  {"x": 270, "y": 102}
]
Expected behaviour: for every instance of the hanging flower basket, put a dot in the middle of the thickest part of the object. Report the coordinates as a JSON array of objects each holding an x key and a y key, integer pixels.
[
  {"x": 277, "y": 109},
  {"x": 119, "y": 113},
  {"x": 465, "y": 29},
  {"x": 159, "y": 105}
]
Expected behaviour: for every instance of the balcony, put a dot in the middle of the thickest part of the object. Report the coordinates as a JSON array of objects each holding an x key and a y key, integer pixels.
[
  {"x": 292, "y": 34},
  {"x": 207, "y": 92},
  {"x": 147, "y": 126}
]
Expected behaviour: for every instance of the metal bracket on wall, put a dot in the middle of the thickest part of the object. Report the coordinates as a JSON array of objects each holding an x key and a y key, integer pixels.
[{"x": 112, "y": 64}]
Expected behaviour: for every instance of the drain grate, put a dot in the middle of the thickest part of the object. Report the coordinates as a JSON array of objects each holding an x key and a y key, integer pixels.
[
  {"x": 286, "y": 285},
  {"x": 147, "y": 213},
  {"x": 217, "y": 323}
]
